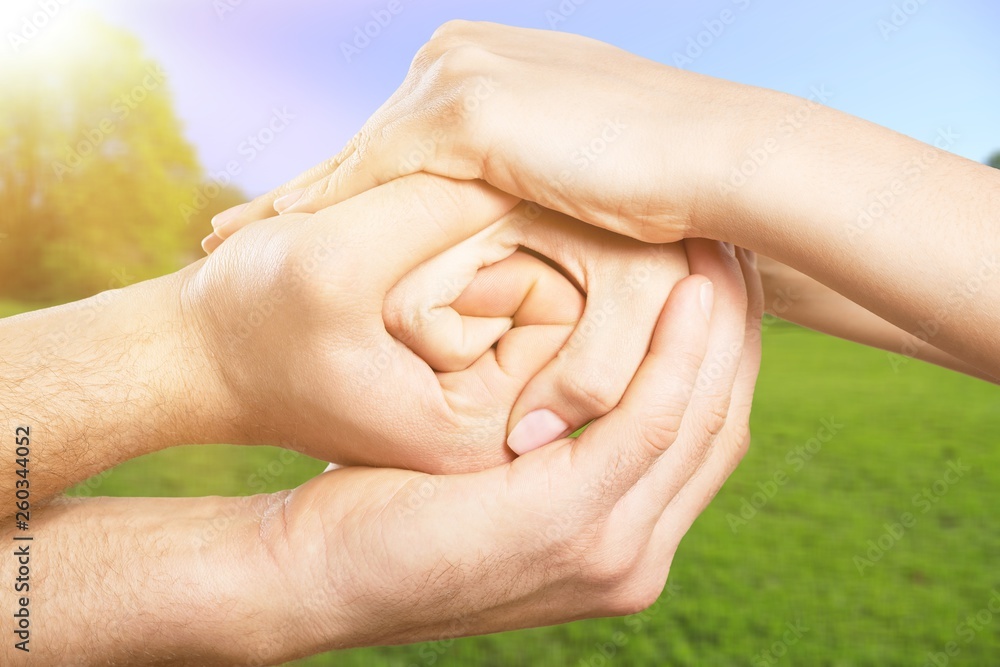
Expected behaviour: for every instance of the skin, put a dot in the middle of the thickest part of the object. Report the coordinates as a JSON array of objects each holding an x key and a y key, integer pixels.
[
  {"x": 661, "y": 154},
  {"x": 581, "y": 528},
  {"x": 444, "y": 443}
]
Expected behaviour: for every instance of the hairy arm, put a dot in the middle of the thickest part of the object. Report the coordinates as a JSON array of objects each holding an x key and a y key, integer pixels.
[
  {"x": 152, "y": 581},
  {"x": 100, "y": 381}
]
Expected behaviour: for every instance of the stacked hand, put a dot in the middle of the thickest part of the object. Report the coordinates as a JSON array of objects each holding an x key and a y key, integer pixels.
[{"x": 625, "y": 281}]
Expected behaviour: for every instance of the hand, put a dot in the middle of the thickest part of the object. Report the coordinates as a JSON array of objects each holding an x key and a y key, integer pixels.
[
  {"x": 626, "y": 283},
  {"x": 572, "y": 123},
  {"x": 293, "y": 314},
  {"x": 660, "y": 154},
  {"x": 375, "y": 556},
  {"x": 572, "y": 530}
]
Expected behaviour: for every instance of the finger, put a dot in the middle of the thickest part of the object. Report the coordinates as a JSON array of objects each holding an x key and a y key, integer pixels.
[
  {"x": 710, "y": 405},
  {"x": 626, "y": 290},
  {"x": 230, "y": 221},
  {"x": 210, "y": 243},
  {"x": 383, "y": 234},
  {"x": 520, "y": 290},
  {"x": 734, "y": 439},
  {"x": 407, "y": 139},
  {"x": 267, "y": 205},
  {"x": 620, "y": 448},
  {"x": 709, "y": 411},
  {"x": 484, "y": 392},
  {"x": 418, "y": 309},
  {"x": 449, "y": 342},
  {"x": 523, "y": 288}
]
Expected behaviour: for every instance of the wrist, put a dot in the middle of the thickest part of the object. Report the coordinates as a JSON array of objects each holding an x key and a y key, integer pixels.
[
  {"x": 170, "y": 391},
  {"x": 741, "y": 197},
  {"x": 103, "y": 380}
]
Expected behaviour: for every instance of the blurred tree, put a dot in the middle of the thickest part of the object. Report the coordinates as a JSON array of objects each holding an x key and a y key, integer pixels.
[
  {"x": 98, "y": 186},
  {"x": 995, "y": 160}
]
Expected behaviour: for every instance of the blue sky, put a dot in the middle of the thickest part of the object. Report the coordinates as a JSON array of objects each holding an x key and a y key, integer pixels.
[{"x": 229, "y": 70}]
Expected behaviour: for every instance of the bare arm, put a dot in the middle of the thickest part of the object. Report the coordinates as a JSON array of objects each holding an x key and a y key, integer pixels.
[
  {"x": 101, "y": 381},
  {"x": 906, "y": 230},
  {"x": 795, "y": 297}
]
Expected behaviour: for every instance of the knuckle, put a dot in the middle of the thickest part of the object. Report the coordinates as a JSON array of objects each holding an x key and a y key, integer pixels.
[
  {"x": 687, "y": 364},
  {"x": 659, "y": 431},
  {"x": 741, "y": 444},
  {"x": 453, "y": 28},
  {"x": 592, "y": 392},
  {"x": 404, "y": 323},
  {"x": 450, "y": 35},
  {"x": 613, "y": 557},
  {"x": 395, "y": 319},
  {"x": 462, "y": 61},
  {"x": 608, "y": 569},
  {"x": 713, "y": 417},
  {"x": 635, "y": 599}
]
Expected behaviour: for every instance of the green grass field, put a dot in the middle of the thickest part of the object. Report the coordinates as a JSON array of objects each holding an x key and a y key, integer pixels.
[{"x": 843, "y": 445}]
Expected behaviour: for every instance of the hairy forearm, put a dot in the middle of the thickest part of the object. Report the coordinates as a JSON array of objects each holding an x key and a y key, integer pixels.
[
  {"x": 101, "y": 381},
  {"x": 906, "y": 230},
  {"x": 125, "y": 581}
]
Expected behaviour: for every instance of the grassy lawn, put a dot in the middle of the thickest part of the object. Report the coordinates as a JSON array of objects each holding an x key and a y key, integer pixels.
[{"x": 843, "y": 445}]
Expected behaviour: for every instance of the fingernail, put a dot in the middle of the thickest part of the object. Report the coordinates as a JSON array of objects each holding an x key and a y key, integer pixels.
[
  {"x": 227, "y": 215},
  {"x": 287, "y": 201},
  {"x": 534, "y": 430},
  {"x": 707, "y": 299},
  {"x": 210, "y": 243}
]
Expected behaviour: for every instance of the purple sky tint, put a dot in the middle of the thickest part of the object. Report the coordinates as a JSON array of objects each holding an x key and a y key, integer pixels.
[{"x": 229, "y": 70}]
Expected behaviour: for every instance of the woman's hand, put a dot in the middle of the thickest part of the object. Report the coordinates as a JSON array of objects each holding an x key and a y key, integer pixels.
[
  {"x": 661, "y": 154},
  {"x": 577, "y": 125}
]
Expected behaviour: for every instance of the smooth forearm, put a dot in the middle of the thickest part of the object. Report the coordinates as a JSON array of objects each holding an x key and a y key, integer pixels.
[
  {"x": 103, "y": 380},
  {"x": 904, "y": 229},
  {"x": 795, "y": 297}
]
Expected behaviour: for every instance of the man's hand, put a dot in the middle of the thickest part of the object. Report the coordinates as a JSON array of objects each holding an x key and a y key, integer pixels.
[
  {"x": 293, "y": 314},
  {"x": 362, "y": 556},
  {"x": 625, "y": 281}
]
